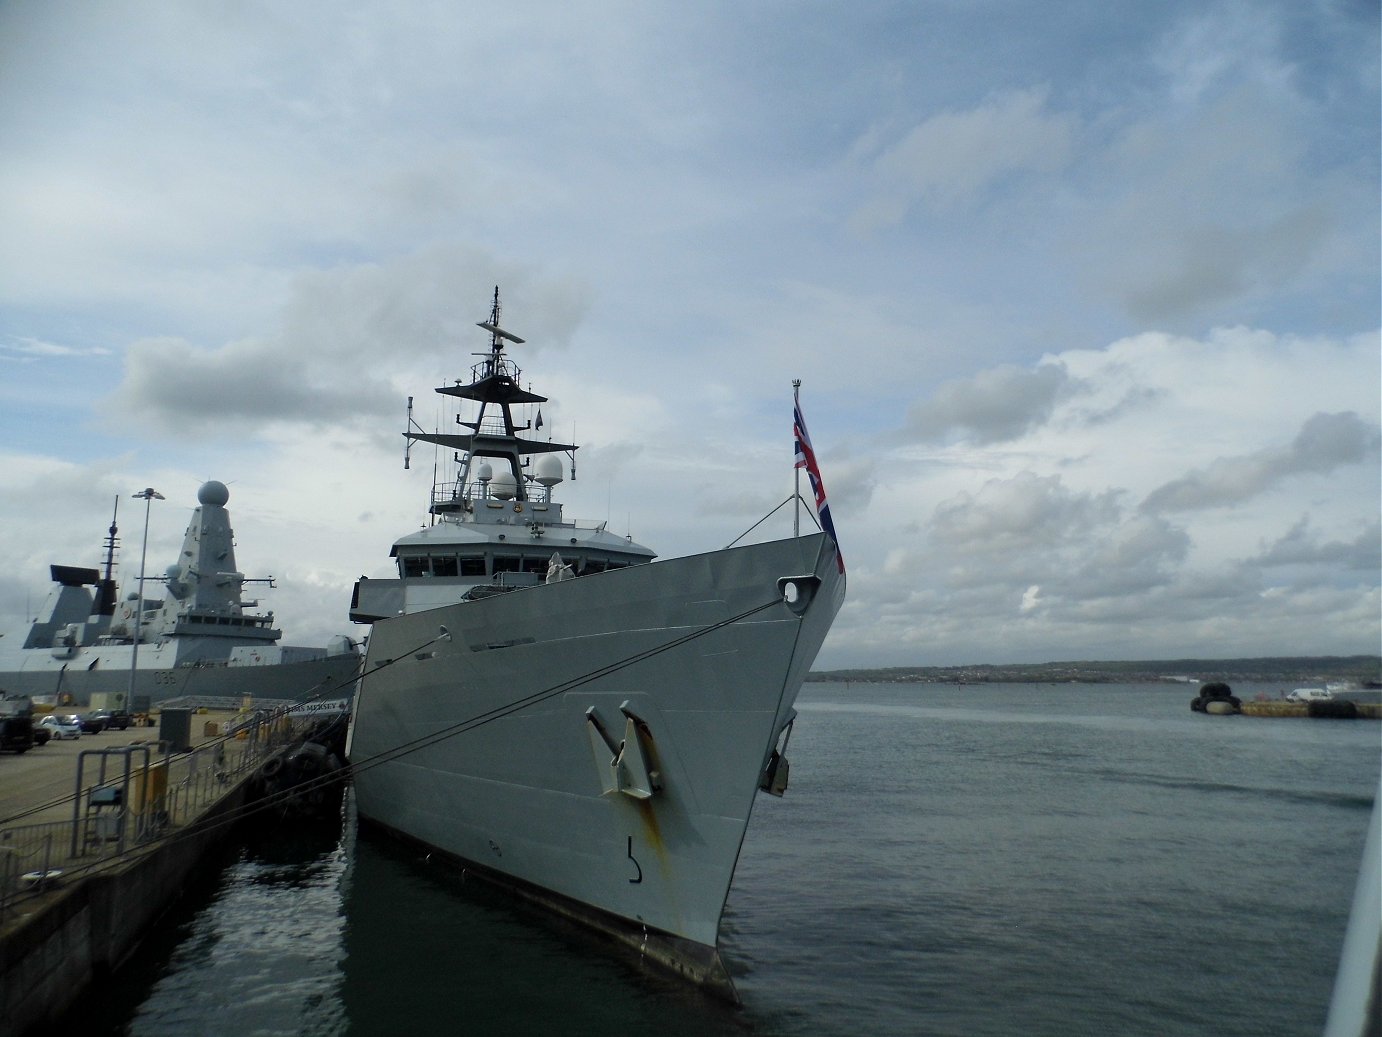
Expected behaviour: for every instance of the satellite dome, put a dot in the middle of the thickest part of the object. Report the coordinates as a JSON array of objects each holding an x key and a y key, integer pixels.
[
  {"x": 549, "y": 469},
  {"x": 213, "y": 493},
  {"x": 504, "y": 485},
  {"x": 486, "y": 472}
]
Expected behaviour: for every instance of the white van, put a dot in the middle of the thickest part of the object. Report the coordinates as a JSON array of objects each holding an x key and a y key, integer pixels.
[{"x": 1310, "y": 695}]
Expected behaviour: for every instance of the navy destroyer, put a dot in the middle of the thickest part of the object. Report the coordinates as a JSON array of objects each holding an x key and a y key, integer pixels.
[
  {"x": 550, "y": 707},
  {"x": 201, "y": 637}
]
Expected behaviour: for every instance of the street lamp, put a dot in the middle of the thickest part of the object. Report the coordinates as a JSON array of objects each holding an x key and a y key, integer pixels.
[{"x": 148, "y": 496}]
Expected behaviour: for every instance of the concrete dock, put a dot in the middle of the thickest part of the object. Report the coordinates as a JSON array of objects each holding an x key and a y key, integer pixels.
[{"x": 97, "y": 837}]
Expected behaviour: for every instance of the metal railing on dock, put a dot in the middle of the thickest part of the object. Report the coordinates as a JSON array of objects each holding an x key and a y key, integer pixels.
[{"x": 153, "y": 793}]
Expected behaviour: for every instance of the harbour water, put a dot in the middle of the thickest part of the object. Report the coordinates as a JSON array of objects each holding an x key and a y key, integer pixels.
[{"x": 981, "y": 860}]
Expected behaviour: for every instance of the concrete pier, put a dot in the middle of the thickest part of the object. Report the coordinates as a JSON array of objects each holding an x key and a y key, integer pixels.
[
  {"x": 85, "y": 873},
  {"x": 1282, "y": 708}
]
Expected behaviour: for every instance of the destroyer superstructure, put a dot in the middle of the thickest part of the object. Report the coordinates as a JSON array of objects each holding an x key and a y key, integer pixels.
[
  {"x": 550, "y": 707},
  {"x": 202, "y": 637}
]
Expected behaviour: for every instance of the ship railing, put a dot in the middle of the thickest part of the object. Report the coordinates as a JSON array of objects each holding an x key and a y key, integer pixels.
[
  {"x": 495, "y": 365},
  {"x": 454, "y": 496}
]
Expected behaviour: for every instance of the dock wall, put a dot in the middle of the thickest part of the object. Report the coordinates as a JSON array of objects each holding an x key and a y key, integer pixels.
[
  {"x": 86, "y": 931},
  {"x": 1282, "y": 708}
]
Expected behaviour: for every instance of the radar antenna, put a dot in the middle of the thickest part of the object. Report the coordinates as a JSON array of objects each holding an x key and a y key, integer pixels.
[{"x": 497, "y": 335}]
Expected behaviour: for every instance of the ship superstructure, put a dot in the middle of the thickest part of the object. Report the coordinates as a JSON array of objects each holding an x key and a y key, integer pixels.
[
  {"x": 549, "y": 706},
  {"x": 201, "y": 637}
]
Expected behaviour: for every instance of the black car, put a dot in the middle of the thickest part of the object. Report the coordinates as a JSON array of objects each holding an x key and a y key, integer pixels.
[
  {"x": 116, "y": 718},
  {"x": 92, "y": 723}
]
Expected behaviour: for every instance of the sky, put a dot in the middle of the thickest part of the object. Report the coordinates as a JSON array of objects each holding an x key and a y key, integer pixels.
[{"x": 1083, "y": 297}]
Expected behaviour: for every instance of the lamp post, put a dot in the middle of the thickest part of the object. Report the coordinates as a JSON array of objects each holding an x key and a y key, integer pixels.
[{"x": 148, "y": 496}]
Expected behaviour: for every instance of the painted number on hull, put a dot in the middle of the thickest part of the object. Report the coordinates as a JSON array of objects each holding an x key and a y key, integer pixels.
[{"x": 637, "y": 866}]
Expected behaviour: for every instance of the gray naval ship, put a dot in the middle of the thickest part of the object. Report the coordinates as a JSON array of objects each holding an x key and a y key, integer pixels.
[
  {"x": 550, "y": 708},
  {"x": 201, "y": 638}
]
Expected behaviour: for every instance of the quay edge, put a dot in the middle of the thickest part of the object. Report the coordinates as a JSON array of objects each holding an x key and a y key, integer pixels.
[{"x": 85, "y": 931}]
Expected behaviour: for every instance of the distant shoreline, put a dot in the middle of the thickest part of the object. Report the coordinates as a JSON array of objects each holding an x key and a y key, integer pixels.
[{"x": 1363, "y": 671}]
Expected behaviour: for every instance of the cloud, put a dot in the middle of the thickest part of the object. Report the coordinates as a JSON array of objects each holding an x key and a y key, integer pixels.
[
  {"x": 1302, "y": 546},
  {"x": 1013, "y": 515},
  {"x": 1033, "y": 530},
  {"x": 952, "y": 158},
  {"x": 351, "y": 343},
  {"x": 29, "y": 347},
  {"x": 1325, "y": 442},
  {"x": 1206, "y": 264},
  {"x": 1209, "y": 210},
  {"x": 995, "y": 405}
]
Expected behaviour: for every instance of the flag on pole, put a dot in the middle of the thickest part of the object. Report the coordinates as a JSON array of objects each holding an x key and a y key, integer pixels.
[{"x": 806, "y": 458}]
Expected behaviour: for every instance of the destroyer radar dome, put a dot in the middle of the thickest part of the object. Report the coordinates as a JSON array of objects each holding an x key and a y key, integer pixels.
[
  {"x": 549, "y": 470},
  {"x": 213, "y": 493}
]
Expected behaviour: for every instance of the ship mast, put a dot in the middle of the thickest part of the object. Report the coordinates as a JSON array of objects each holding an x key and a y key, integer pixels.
[
  {"x": 105, "y": 595},
  {"x": 495, "y": 386}
]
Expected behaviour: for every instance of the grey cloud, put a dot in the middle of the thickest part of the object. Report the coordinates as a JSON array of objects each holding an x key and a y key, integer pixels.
[
  {"x": 172, "y": 386},
  {"x": 1209, "y": 265},
  {"x": 996, "y": 405},
  {"x": 345, "y": 335},
  {"x": 1300, "y": 546},
  {"x": 1325, "y": 442},
  {"x": 1134, "y": 400},
  {"x": 1075, "y": 546},
  {"x": 1025, "y": 512},
  {"x": 953, "y": 156}
]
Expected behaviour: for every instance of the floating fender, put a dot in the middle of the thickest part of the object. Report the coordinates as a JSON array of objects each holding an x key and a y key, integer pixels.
[{"x": 1217, "y": 698}]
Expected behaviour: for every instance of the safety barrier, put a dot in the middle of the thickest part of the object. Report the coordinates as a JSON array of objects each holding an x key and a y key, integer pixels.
[{"x": 113, "y": 816}]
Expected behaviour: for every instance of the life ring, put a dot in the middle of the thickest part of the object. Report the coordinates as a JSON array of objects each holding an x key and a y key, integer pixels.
[{"x": 518, "y": 508}]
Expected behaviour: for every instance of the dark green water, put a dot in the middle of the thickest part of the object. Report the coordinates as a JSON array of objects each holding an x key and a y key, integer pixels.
[{"x": 989, "y": 860}]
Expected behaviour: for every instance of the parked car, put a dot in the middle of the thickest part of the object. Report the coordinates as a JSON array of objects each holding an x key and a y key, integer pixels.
[
  {"x": 16, "y": 733},
  {"x": 116, "y": 718},
  {"x": 91, "y": 723},
  {"x": 62, "y": 726},
  {"x": 41, "y": 734}
]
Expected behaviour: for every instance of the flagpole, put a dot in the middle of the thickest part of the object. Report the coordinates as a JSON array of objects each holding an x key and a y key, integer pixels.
[{"x": 796, "y": 471}]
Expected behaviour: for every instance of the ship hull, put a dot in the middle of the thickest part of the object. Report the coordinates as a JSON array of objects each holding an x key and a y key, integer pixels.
[
  {"x": 38, "y": 675},
  {"x": 498, "y": 742}
]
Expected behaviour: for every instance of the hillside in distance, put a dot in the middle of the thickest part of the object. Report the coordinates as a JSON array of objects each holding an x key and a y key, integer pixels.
[{"x": 1363, "y": 670}]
